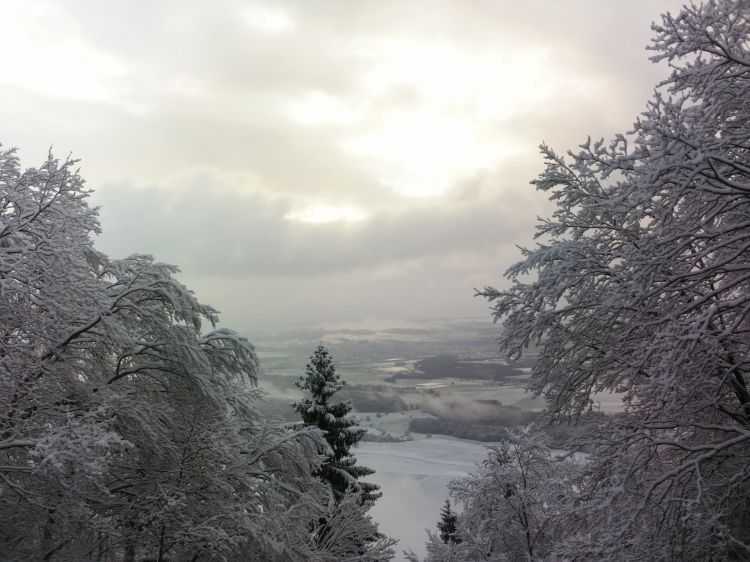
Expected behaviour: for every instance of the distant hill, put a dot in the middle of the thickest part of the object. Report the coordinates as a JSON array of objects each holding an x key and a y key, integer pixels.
[{"x": 450, "y": 366}]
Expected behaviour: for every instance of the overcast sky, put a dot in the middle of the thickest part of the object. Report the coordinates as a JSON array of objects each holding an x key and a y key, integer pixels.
[{"x": 321, "y": 161}]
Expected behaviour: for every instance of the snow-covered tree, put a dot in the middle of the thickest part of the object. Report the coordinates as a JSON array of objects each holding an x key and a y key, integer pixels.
[
  {"x": 514, "y": 506},
  {"x": 341, "y": 430},
  {"x": 641, "y": 286},
  {"x": 126, "y": 431},
  {"x": 447, "y": 524},
  {"x": 345, "y": 531}
]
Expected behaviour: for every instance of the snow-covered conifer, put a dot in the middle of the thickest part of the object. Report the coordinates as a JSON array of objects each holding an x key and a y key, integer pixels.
[
  {"x": 447, "y": 524},
  {"x": 341, "y": 430}
]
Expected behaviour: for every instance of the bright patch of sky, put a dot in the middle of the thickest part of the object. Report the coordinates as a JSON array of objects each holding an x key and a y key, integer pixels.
[
  {"x": 319, "y": 108},
  {"x": 73, "y": 70},
  {"x": 325, "y": 214},
  {"x": 449, "y": 129},
  {"x": 267, "y": 19},
  {"x": 422, "y": 153}
]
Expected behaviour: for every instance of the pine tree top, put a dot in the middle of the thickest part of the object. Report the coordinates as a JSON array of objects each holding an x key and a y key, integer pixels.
[
  {"x": 320, "y": 376},
  {"x": 448, "y": 524}
]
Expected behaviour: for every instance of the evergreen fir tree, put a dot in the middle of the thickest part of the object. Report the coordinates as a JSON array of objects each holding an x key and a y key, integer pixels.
[
  {"x": 340, "y": 470},
  {"x": 447, "y": 524}
]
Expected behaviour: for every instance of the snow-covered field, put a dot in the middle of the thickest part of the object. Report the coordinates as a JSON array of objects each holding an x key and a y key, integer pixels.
[{"x": 414, "y": 477}]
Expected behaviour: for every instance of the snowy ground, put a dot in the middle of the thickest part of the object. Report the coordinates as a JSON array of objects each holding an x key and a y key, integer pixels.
[{"x": 414, "y": 477}]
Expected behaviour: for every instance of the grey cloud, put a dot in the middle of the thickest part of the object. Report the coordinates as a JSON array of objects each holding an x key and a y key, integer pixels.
[
  {"x": 209, "y": 230},
  {"x": 212, "y": 44},
  {"x": 430, "y": 292}
]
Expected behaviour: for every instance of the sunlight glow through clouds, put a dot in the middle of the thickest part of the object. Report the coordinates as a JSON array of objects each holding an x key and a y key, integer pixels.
[
  {"x": 324, "y": 214},
  {"x": 267, "y": 19},
  {"x": 423, "y": 153},
  {"x": 456, "y": 78},
  {"x": 319, "y": 108},
  {"x": 421, "y": 150}
]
